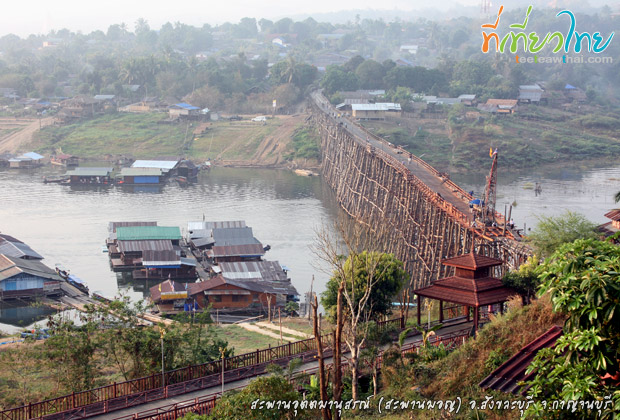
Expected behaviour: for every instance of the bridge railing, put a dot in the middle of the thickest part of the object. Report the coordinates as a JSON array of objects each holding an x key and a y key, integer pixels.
[{"x": 140, "y": 387}]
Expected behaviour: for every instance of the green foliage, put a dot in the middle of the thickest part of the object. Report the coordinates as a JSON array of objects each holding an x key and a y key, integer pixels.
[
  {"x": 246, "y": 403},
  {"x": 525, "y": 280},
  {"x": 70, "y": 350},
  {"x": 305, "y": 144},
  {"x": 553, "y": 231},
  {"x": 385, "y": 270},
  {"x": 583, "y": 282},
  {"x": 336, "y": 79}
]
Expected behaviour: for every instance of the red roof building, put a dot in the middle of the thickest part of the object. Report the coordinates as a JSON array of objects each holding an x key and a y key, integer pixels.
[
  {"x": 613, "y": 227},
  {"x": 471, "y": 285}
]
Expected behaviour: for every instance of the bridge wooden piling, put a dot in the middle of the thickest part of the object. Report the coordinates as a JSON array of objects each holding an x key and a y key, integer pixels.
[{"x": 375, "y": 188}]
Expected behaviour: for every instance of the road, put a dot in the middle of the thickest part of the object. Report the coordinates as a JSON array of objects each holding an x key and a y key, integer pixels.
[
  {"x": 311, "y": 366},
  {"x": 14, "y": 141}
]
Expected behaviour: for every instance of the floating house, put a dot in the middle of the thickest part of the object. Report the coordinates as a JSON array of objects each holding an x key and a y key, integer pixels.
[
  {"x": 20, "y": 278},
  {"x": 64, "y": 159},
  {"x": 166, "y": 166},
  {"x": 85, "y": 175},
  {"x": 127, "y": 244},
  {"x": 165, "y": 264},
  {"x": 14, "y": 248},
  {"x": 135, "y": 176},
  {"x": 27, "y": 160},
  {"x": 227, "y": 295}
]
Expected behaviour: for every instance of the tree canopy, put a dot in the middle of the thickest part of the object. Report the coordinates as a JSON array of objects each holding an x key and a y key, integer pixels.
[
  {"x": 553, "y": 231},
  {"x": 389, "y": 276},
  {"x": 583, "y": 281}
]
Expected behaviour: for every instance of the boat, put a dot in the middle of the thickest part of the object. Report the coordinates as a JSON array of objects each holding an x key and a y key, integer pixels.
[
  {"x": 74, "y": 281},
  {"x": 56, "y": 180}
]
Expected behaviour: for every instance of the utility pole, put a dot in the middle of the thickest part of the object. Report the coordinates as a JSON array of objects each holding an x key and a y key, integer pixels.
[
  {"x": 223, "y": 352},
  {"x": 162, "y": 332}
]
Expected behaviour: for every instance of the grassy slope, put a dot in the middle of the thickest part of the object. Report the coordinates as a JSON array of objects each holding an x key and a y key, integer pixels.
[
  {"x": 459, "y": 373},
  {"x": 144, "y": 136},
  {"x": 534, "y": 136}
]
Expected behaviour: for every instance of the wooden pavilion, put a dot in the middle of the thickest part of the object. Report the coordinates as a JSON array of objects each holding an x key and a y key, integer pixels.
[{"x": 472, "y": 285}]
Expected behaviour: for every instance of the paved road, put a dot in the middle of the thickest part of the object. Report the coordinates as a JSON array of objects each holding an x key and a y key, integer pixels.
[
  {"x": 423, "y": 174},
  {"x": 242, "y": 383}
]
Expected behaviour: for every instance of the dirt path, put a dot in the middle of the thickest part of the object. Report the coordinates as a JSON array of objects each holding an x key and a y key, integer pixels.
[
  {"x": 285, "y": 330},
  {"x": 255, "y": 328},
  {"x": 12, "y": 142},
  {"x": 272, "y": 148}
]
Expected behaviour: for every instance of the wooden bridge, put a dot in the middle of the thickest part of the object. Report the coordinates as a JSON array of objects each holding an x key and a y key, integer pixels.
[{"x": 381, "y": 185}]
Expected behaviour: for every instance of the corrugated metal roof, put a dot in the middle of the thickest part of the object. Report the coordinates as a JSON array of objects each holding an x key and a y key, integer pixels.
[
  {"x": 146, "y": 245},
  {"x": 139, "y": 233},
  {"x": 30, "y": 155},
  {"x": 160, "y": 164},
  {"x": 253, "y": 250},
  {"x": 380, "y": 106},
  {"x": 234, "y": 236},
  {"x": 507, "y": 377},
  {"x": 166, "y": 287},
  {"x": 199, "y": 233},
  {"x": 18, "y": 250},
  {"x": 10, "y": 238},
  {"x": 530, "y": 95},
  {"x": 276, "y": 288},
  {"x": 262, "y": 270},
  {"x": 113, "y": 225},
  {"x": 215, "y": 225},
  {"x": 10, "y": 267},
  {"x": 198, "y": 242},
  {"x": 467, "y": 97},
  {"x": 183, "y": 105},
  {"x": 613, "y": 215},
  {"x": 152, "y": 258},
  {"x": 141, "y": 172},
  {"x": 84, "y": 171}
]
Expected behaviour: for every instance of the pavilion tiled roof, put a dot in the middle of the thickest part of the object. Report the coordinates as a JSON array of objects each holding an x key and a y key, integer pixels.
[
  {"x": 472, "y": 261},
  {"x": 471, "y": 292}
]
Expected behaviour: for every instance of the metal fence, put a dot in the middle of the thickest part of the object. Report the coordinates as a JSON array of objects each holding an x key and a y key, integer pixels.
[
  {"x": 121, "y": 395},
  {"x": 205, "y": 404}
]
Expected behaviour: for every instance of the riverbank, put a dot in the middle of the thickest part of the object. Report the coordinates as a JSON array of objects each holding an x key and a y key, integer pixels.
[{"x": 285, "y": 141}]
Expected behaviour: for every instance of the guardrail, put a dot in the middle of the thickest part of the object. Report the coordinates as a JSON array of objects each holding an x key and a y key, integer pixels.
[
  {"x": 138, "y": 391},
  {"x": 203, "y": 405}
]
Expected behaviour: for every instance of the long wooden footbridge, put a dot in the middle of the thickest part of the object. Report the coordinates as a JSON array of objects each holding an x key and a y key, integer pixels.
[{"x": 382, "y": 185}]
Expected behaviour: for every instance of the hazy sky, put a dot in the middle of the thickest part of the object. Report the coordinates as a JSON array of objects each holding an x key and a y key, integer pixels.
[{"x": 24, "y": 17}]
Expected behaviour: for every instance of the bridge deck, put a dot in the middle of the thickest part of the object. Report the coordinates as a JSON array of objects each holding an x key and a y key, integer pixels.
[{"x": 446, "y": 190}]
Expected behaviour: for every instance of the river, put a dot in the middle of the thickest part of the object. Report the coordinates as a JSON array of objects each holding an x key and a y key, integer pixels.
[{"x": 68, "y": 225}]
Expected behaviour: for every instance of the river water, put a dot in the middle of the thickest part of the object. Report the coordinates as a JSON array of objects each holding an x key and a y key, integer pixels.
[{"x": 68, "y": 225}]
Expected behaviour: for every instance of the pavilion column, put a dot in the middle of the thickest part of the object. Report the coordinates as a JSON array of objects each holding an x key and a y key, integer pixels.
[
  {"x": 440, "y": 311},
  {"x": 501, "y": 308},
  {"x": 468, "y": 315},
  {"x": 476, "y": 318},
  {"x": 419, "y": 310}
]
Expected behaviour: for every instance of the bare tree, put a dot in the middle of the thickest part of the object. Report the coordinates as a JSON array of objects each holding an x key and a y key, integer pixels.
[
  {"x": 319, "y": 346},
  {"x": 342, "y": 249}
]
